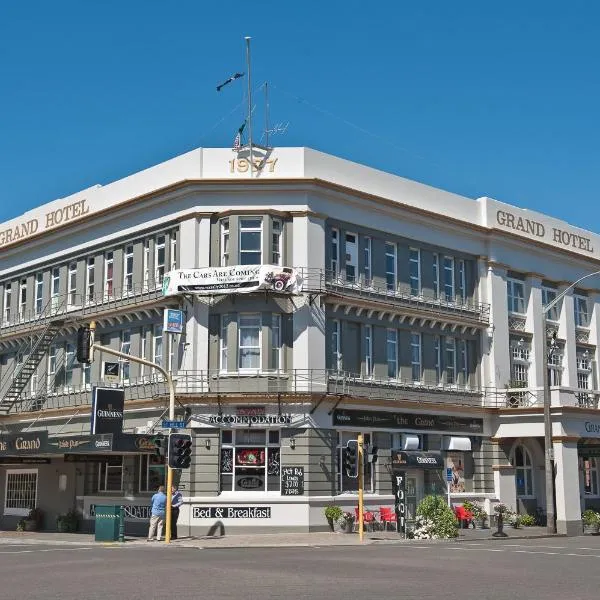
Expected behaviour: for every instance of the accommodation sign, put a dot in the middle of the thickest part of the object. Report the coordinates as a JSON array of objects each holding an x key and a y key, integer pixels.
[
  {"x": 231, "y": 512},
  {"x": 397, "y": 420}
]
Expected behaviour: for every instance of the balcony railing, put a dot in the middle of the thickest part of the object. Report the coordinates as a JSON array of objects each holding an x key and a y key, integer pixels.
[{"x": 534, "y": 398}]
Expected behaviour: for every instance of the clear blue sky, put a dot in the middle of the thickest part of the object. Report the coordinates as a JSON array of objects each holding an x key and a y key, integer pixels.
[{"x": 480, "y": 98}]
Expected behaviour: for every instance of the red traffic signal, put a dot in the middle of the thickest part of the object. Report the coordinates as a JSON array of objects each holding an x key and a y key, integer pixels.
[{"x": 180, "y": 450}]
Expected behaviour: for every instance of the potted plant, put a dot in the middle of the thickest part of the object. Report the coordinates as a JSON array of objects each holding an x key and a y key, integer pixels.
[
  {"x": 333, "y": 513},
  {"x": 591, "y": 520},
  {"x": 502, "y": 512},
  {"x": 346, "y": 522},
  {"x": 516, "y": 520},
  {"x": 480, "y": 517},
  {"x": 527, "y": 520},
  {"x": 69, "y": 522},
  {"x": 33, "y": 521}
]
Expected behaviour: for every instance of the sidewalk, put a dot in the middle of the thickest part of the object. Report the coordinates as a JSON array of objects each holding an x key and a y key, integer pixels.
[{"x": 265, "y": 540}]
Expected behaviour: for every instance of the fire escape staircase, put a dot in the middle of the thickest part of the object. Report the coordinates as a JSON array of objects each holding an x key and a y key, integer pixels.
[{"x": 34, "y": 349}]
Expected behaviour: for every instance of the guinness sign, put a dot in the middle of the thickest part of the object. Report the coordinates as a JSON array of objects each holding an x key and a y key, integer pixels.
[{"x": 107, "y": 410}]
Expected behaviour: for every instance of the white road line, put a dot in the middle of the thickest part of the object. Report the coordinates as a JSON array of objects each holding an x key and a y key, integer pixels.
[{"x": 45, "y": 550}]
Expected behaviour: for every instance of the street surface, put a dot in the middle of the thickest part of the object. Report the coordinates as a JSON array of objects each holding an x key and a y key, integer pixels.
[{"x": 557, "y": 568}]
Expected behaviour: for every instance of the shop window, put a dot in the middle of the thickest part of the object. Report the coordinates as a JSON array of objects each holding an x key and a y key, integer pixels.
[
  {"x": 152, "y": 472},
  {"x": 523, "y": 472},
  {"x": 350, "y": 484},
  {"x": 250, "y": 460},
  {"x": 590, "y": 476},
  {"x": 110, "y": 475},
  {"x": 20, "y": 492}
]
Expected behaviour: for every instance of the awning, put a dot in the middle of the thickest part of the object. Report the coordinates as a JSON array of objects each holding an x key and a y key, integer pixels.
[
  {"x": 402, "y": 460},
  {"x": 410, "y": 442},
  {"x": 462, "y": 444}
]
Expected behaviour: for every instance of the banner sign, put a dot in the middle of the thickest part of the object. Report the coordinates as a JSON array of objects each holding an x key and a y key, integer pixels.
[
  {"x": 238, "y": 279},
  {"x": 19, "y": 444},
  {"x": 107, "y": 410},
  {"x": 402, "y": 459},
  {"x": 399, "y": 491},
  {"x": 397, "y": 420},
  {"x": 173, "y": 320}
]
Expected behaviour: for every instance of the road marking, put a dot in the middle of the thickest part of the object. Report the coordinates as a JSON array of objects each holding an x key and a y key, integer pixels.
[{"x": 45, "y": 550}]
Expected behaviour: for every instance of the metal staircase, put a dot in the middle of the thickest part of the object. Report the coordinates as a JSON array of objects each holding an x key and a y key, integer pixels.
[{"x": 34, "y": 349}]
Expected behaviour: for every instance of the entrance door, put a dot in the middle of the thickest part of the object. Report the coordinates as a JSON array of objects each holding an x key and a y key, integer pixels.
[{"x": 414, "y": 493}]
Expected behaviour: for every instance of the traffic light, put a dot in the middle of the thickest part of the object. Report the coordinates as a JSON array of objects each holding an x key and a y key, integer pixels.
[
  {"x": 372, "y": 457},
  {"x": 180, "y": 450},
  {"x": 350, "y": 458},
  {"x": 160, "y": 446},
  {"x": 84, "y": 345}
]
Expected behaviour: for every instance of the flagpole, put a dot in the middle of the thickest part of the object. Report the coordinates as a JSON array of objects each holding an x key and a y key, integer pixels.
[
  {"x": 249, "y": 104},
  {"x": 267, "y": 114}
]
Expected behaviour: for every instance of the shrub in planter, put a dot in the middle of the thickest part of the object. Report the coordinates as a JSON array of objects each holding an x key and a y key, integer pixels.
[
  {"x": 33, "y": 521},
  {"x": 333, "y": 513},
  {"x": 346, "y": 522},
  {"x": 480, "y": 517},
  {"x": 436, "y": 519},
  {"x": 69, "y": 522},
  {"x": 591, "y": 519},
  {"x": 527, "y": 520}
]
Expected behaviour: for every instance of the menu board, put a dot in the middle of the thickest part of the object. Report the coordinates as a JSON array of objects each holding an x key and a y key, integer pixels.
[{"x": 292, "y": 481}]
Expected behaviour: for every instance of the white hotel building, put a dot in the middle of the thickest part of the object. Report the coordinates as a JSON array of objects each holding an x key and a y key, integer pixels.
[{"x": 419, "y": 324}]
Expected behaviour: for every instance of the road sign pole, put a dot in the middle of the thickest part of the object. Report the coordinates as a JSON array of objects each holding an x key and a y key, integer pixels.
[
  {"x": 448, "y": 482},
  {"x": 360, "y": 487}
]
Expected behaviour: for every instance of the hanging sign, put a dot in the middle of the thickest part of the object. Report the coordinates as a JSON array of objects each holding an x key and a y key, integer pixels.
[
  {"x": 173, "y": 321},
  {"x": 399, "y": 491}
]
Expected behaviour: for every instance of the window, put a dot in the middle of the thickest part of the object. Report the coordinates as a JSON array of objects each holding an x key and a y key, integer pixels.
[
  {"x": 20, "y": 492},
  {"x": 437, "y": 352},
  {"x": 390, "y": 266},
  {"x": 126, "y": 349},
  {"x": 415, "y": 271},
  {"x": 110, "y": 475},
  {"x": 449, "y": 278},
  {"x": 250, "y": 241},
  {"x": 277, "y": 229},
  {"x": 109, "y": 265},
  {"x": 72, "y": 284},
  {"x": 157, "y": 351},
  {"x": 249, "y": 341},
  {"x": 350, "y": 484},
  {"x": 23, "y": 298},
  {"x": 146, "y": 261},
  {"x": 90, "y": 279},
  {"x": 515, "y": 295},
  {"x": 335, "y": 252},
  {"x": 52, "y": 365},
  {"x": 368, "y": 351},
  {"x": 276, "y": 342},
  {"x": 589, "y": 466},
  {"x": 86, "y": 375},
  {"x": 555, "y": 366},
  {"x": 392, "y": 353},
  {"x": 7, "y": 302},
  {"x": 584, "y": 368},
  {"x": 152, "y": 472},
  {"x": 367, "y": 258},
  {"x": 436, "y": 276},
  {"x": 415, "y": 354},
  {"x": 450, "y": 361},
  {"x": 351, "y": 257},
  {"x": 548, "y": 295},
  {"x": 173, "y": 250},
  {"x": 523, "y": 472},
  {"x": 39, "y": 293},
  {"x": 463, "y": 362},
  {"x": 69, "y": 364},
  {"x": 581, "y": 311},
  {"x": 462, "y": 281},
  {"x": 128, "y": 269},
  {"x": 224, "y": 227},
  {"x": 145, "y": 335},
  {"x": 250, "y": 460},
  {"x": 336, "y": 347},
  {"x": 225, "y": 320},
  {"x": 519, "y": 364},
  {"x": 159, "y": 259}
]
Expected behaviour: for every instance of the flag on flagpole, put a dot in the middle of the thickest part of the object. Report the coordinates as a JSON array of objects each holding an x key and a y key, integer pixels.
[
  {"x": 232, "y": 78},
  {"x": 237, "y": 142}
]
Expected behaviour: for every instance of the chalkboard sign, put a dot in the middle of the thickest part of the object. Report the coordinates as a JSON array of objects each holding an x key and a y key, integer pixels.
[{"x": 292, "y": 481}]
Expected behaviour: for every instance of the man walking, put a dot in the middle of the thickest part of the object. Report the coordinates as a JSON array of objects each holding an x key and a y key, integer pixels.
[
  {"x": 176, "y": 502},
  {"x": 157, "y": 519}
]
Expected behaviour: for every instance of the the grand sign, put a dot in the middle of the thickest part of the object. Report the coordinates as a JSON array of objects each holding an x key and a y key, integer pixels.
[
  {"x": 238, "y": 279},
  {"x": 537, "y": 229},
  {"x": 396, "y": 420},
  {"x": 24, "y": 443},
  {"x": 52, "y": 219}
]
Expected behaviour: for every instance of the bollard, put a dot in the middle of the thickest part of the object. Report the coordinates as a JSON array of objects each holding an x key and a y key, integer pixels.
[{"x": 122, "y": 524}]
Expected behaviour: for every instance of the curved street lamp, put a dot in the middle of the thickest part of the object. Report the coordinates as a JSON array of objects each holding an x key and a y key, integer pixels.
[{"x": 548, "y": 451}]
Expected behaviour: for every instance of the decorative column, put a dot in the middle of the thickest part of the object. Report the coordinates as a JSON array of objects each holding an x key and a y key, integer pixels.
[
  {"x": 534, "y": 324},
  {"x": 566, "y": 331},
  {"x": 498, "y": 358},
  {"x": 568, "y": 501}
]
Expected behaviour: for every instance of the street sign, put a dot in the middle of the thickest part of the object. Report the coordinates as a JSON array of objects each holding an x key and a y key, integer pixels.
[
  {"x": 111, "y": 372},
  {"x": 173, "y": 321},
  {"x": 449, "y": 474},
  {"x": 173, "y": 424}
]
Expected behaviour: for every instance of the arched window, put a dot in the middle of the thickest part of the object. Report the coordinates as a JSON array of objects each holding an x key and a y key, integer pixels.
[{"x": 523, "y": 472}]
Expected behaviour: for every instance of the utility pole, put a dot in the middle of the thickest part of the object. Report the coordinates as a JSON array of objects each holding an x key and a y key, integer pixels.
[
  {"x": 361, "y": 485},
  {"x": 169, "y": 378}
]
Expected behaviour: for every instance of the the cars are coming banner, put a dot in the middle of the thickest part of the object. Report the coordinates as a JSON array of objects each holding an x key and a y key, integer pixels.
[{"x": 238, "y": 279}]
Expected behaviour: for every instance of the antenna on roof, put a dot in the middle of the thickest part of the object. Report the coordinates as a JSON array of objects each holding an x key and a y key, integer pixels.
[{"x": 278, "y": 128}]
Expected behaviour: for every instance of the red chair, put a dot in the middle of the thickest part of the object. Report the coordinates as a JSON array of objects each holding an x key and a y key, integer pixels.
[
  {"x": 463, "y": 515},
  {"x": 368, "y": 518},
  {"x": 387, "y": 516}
]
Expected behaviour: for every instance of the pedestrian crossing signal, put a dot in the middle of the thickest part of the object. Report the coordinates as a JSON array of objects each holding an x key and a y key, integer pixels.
[
  {"x": 160, "y": 446},
  {"x": 180, "y": 450}
]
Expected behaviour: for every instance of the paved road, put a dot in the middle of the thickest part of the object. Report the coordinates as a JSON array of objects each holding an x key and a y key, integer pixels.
[{"x": 565, "y": 569}]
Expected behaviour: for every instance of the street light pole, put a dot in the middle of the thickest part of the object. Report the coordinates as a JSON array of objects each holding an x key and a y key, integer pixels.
[{"x": 548, "y": 449}]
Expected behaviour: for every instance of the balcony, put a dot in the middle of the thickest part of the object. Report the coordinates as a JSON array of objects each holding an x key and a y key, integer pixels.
[
  {"x": 292, "y": 385},
  {"x": 534, "y": 398},
  {"x": 332, "y": 285}
]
